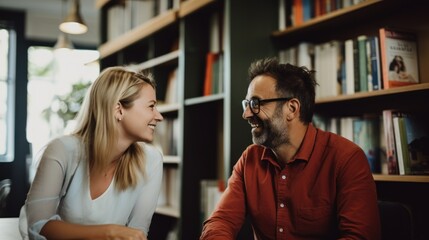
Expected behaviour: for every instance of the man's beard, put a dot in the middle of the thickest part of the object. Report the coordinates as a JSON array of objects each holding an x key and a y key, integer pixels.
[{"x": 273, "y": 132}]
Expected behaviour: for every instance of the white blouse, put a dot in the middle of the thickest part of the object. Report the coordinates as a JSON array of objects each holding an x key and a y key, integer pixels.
[{"x": 133, "y": 207}]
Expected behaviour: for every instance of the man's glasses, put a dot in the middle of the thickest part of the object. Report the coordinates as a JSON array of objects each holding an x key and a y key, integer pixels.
[{"x": 255, "y": 103}]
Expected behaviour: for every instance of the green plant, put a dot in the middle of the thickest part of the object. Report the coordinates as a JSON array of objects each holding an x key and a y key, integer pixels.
[{"x": 67, "y": 106}]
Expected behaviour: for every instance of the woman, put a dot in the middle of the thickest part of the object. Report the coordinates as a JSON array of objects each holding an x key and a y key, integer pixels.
[{"x": 112, "y": 181}]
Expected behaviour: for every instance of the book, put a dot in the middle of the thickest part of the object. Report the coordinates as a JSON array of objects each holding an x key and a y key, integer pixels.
[
  {"x": 349, "y": 85},
  {"x": 298, "y": 12},
  {"x": 389, "y": 138},
  {"x": 363, "y": 63},
  {"x": 209, "y": 81},
  {"x": 399, "y": 57},
  {"x": 417, "y": 135},
  {"x": 374, "y": 61},
  {"x": 171, "y": 92},
  {"x": 327, "y": 64},
  {"x": 366, "y": 134},
  {"x": 401, "y": 144},
  {"x": 210, "y": 192}
]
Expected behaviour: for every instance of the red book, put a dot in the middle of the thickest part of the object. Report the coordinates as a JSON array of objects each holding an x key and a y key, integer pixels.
[
  {"x": 211, "y": 58},
  {"x": 399, "y": 58},
  {"x": 298, "y": 12}
]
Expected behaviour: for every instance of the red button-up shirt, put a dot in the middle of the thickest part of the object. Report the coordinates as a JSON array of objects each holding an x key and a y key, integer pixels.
[{"x": 326, "y": 192}]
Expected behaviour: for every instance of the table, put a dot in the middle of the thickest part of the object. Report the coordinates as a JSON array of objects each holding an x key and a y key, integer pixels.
[{"x": 9, "y": 229}]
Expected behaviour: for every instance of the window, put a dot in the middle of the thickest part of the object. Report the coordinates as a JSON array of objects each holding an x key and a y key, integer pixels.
[
  {"x": 57, "y": 82},
  {"x": 7, "y": 93}
]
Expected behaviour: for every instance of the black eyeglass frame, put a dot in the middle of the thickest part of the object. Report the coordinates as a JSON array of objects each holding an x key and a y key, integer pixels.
[{"x": 257, "y": 102}]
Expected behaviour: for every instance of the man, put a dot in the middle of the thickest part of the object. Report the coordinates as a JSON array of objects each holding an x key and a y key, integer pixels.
[{"x": 295, "y": 181}]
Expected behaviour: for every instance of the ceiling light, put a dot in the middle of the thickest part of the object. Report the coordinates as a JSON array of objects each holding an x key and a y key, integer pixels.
[{"x": 73, "y": 23}]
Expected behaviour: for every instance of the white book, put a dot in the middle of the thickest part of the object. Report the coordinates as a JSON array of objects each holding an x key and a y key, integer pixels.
[
  {"x": 282, "y": 14},
  {"x": 305, "y": 52},
  {"x": 215, "y": 44},
  {"x": 288, "y": 56},
  {"x": 400, "y": 156},
  {"x": 350, "y": 69},
  {"x": 347, "y": 127},
  {"x": 326, "y": 66},
  {"x": 142, "y": 11}
]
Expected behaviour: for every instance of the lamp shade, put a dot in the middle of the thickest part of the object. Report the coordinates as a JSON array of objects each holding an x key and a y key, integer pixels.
[{"x": 74, "y": 23}]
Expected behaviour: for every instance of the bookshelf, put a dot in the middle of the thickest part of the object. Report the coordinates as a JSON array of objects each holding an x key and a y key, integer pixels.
[
  {"x": 366, "y": 18},
  {"x": 210, "y": 128}
]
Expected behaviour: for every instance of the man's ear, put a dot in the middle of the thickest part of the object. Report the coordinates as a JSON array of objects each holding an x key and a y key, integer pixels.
[{"x": 294, "y": 107}]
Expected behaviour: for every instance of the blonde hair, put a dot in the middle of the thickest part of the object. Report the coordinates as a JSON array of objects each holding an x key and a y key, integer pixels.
[{"x": 97, "y": 126}]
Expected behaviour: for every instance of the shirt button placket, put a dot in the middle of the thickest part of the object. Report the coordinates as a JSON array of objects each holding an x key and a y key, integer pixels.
[{"x": 281, "y": 230}]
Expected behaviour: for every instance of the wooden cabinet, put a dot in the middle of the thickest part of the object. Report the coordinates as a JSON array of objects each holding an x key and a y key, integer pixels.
[{"x": 210, "y": 133}]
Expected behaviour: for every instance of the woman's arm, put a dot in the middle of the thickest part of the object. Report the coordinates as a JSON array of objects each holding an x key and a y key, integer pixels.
[
  {"x": 44, "y": 194},
  {"x": 56, "y": 229}
]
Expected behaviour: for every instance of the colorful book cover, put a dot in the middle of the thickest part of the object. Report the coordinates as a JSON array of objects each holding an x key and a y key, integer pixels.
[
  {"x": 399, "y": 57},
  {"x": 389, "y": 137},
  {"x": 417, "y": 132},
  {"x": 366, "y": 133},
  {"x": 374, "y": 60},
  {"x": 363, "y": 63},
  {"x": 401, "y": 144}
]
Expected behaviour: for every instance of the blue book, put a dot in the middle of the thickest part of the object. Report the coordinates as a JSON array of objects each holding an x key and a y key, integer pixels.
[
  {"x": 375, "y": 63},
  {"x": 366, "y": 134}
]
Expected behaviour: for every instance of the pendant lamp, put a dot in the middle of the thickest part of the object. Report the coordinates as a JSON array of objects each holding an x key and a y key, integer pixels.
[{"x": 73, "y": 23}]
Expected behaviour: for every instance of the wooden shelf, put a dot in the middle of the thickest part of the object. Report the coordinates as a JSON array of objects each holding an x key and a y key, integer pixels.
[
  {"x": 168, "y": 159},
  {"x": 341, "y": 13},
  {"x": 168, "y": 108},
  {"x": 191, "y": 6},
  {"x": 204, "y": 99},
  {"x": 407, "y": 98},
  {"x": 401, "y": 178},
  {"x": 168, "y": 211},
  {"x": 374, "y": 94},
  {"x": 149, "y": 27},
  {"x": 138, "y": 33},
  {"x": 343, "y": 22},
  {"x": 171, "y": 57}
]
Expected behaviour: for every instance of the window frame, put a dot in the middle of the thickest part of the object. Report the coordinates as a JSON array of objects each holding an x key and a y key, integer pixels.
[{"x": 8, "y": 156}]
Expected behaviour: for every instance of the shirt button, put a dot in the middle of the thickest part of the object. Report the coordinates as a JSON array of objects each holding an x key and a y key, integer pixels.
[
  {"x": 283, "y": 177},
  {"x": 281, "y": 230},
  {"x": 282, "y": 205}
]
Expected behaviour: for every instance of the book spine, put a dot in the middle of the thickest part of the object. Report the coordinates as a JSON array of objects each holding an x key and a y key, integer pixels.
[
  {"x": 389, "y": 135},
  {"x": 363, "y": 81},
  {"x": 384, "y": 67}
]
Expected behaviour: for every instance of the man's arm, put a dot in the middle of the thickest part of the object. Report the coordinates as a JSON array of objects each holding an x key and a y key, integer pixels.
[
  {"x": 229, "y": 215},
  {"x": 357, "y": 208}
]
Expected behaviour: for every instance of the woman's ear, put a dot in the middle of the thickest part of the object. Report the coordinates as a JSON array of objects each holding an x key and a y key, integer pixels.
[{"x": 118, "y": 111}]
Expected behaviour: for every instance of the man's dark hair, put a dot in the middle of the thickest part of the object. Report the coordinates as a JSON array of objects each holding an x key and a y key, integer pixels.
[{"x": 292, "y": 81}]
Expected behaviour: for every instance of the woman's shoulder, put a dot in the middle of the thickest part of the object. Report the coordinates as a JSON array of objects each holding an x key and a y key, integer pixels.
[
  {"x": 66, "y": 140},
  {"x": 152, "y": 153}
]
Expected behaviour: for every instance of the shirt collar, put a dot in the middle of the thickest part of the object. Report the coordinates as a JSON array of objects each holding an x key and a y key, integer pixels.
[
  {"x": 307, "y": 145},
  {"x": 304, "y": 152}
]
